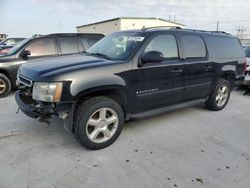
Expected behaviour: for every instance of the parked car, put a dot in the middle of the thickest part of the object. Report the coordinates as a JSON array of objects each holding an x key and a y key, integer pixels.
[
  {"x": 8, "y": 43},
  {"x": 130, "y": 74},
  {"x": 247, "y": 77},
  {"x": 52, "y": 45}
]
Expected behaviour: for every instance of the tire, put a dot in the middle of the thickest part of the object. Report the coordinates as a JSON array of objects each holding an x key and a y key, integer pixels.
[
  {"x": 5, "y": 86},
  {"x": 220, "y": 95},
  {"x": 95, "y": 131}
]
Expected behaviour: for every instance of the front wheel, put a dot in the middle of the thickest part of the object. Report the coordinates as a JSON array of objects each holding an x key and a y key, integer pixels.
[
  {"x": 99, "y": 122},
  {"x": 5, "y": 86},
  {"x": 220, "y": 95}
]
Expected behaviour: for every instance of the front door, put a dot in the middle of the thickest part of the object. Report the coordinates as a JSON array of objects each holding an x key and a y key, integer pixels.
[{"x": 159, "y": 84}]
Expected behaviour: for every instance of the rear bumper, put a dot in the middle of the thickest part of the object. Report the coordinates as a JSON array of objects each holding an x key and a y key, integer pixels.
[
  {"x": 239, "y": 80},
  {"x": 247, "y": 79},
  {"x": 44, "y": 112}
]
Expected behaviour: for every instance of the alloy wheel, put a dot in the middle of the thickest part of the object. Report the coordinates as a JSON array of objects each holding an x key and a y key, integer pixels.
[
  {"x": 102, "y": 125},
  {"x": 222, "y": 95}
]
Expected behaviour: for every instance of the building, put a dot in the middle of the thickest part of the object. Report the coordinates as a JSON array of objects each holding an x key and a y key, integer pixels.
[
  {"x": 125, "y": 23},
  {"x": 3, "y": 36}
]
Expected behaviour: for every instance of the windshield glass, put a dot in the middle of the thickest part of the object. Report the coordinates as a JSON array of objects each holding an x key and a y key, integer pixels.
[
  {"x": 18, "y": 46},
  {"x": 117, "y": 46}
]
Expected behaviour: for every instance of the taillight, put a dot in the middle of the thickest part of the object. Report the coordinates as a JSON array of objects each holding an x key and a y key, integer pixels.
[{"x": 245, "y": 65}]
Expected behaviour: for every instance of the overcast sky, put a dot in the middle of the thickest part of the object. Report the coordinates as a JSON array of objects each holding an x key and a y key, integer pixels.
[{"x": 23, "y": 18}]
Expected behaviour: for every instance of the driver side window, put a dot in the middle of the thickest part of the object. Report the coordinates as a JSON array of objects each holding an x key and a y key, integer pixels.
[
  {"x": 42, "y": 47},
  {"x": 166, "y": 44}
]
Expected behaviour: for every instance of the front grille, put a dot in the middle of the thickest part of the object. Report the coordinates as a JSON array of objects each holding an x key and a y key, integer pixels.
[{"x": 23, "y": 80}]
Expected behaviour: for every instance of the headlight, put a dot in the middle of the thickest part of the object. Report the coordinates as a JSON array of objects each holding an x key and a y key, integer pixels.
[{"x": 47, "y": 92}]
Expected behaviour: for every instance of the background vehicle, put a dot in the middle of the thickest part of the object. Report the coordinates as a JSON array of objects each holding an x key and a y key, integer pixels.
[
  {"x": 8, "y": 43},
  {"x": 130, "y": 74},
  {"x": 41, "y": 47},
  {"x": 247, "y": 77}
]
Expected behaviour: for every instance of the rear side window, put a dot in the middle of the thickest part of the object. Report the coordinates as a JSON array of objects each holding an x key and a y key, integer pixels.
[
  {"x": 166, "y": 44},
  {"x": 68, "y": 45},
  {"x": 92, "y": 41},
  {"x": 225, "y": 47},
  {"x": 42, "y": 47},
  {"x": 194, "y": 47}
]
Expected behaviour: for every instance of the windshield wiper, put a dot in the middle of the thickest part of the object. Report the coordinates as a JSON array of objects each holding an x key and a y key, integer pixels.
[{"x": 99, "y": 54}]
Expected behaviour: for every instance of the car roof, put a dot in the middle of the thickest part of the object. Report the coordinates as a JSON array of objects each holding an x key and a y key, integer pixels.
[
  {"x": 71, "y": 35},
  {"x": 180, "y": 30}
]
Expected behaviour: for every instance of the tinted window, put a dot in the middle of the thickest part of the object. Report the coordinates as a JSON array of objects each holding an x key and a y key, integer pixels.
[
  {"x": 247, "y": 51},
  {"x": 225, "y": 47},
  {"x": 68, "y": 45},
  {"x": 166, "y": 44},
  {"x": 42, "y": 47},
  {"x": 92, "y": 41},
  {"x": 194, "y": 46}
]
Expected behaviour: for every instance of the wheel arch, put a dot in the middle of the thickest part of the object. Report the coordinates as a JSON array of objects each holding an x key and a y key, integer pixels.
[{"x": 115, "y": 92}]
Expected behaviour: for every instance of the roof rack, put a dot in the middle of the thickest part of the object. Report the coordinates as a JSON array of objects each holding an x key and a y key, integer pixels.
[
  {"x": 176, "y": 27},
  {"x": 72, "y": 34},
  {"x": 154, "y": 27},
  {"x": 197, "y": 30}
]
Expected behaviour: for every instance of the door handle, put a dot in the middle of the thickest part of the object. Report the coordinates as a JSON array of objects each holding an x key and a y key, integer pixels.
[
  {"x": 207, "y": 67},
  {"x": 176, "y": 71}
]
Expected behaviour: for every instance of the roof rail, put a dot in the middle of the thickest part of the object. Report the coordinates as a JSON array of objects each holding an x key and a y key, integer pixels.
[
  {"x": 197, "y": 30},
  {"x": 72, "y": 34},
  {"x": 154, "y": 27}
]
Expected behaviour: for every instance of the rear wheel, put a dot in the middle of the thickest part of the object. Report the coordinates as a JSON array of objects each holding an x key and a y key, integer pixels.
[
  {"x": 5, "y": 86},
  {"x": 220, "y": 95},
  {"x": 99, "y": 122}
]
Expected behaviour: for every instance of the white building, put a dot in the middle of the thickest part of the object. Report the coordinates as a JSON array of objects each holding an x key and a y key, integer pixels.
[{"x": 125, "y": 23}]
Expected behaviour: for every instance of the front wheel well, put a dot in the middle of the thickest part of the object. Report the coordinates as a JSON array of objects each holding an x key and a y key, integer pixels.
[
  {"x": 5, "y": 73},
  {"x": 117, "y": 95}
]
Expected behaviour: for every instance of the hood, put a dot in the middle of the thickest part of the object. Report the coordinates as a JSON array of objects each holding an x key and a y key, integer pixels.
[{"x": 58, "y": 65}]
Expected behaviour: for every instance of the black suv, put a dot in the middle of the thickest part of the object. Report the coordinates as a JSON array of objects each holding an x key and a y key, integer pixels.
[
  {"x": 40, "y": 47},
  {"x": 130, "y": 74}
]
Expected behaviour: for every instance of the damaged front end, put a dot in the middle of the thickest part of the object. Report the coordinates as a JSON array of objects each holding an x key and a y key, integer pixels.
[{"x": 44, "y": 110}]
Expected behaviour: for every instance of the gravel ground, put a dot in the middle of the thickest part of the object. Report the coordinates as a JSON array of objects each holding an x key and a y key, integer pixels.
[{"x": 187, "y": 147}]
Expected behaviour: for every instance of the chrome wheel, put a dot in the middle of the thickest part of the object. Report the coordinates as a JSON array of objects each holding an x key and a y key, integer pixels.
[
  {"x": 2, "y": 86},
  {"x": 222, "y": 95},
  {"x": 102, "y": 125}
]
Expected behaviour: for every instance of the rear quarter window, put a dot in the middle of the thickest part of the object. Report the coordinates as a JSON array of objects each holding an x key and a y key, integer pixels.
[
  {"x": 224, "y": 47},
  {"x": 92, "y": 41}
]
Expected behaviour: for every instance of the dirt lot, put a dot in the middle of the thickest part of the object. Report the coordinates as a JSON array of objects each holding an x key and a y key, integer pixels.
[{"x": 188, "y": 147}]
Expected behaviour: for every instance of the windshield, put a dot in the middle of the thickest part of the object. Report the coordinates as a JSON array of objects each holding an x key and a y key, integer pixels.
[
  {"x": 117, "y": 46},
  {"x": 18, "y": 46}
]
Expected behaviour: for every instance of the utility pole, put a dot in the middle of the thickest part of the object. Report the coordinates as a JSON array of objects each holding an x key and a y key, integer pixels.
[
  {"x": 217, "y": 26},
  {"x": 240, "y": 31}
]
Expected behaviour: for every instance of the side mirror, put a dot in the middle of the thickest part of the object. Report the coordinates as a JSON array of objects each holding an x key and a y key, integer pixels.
[
  {"x": 152, "y": 57},
  {"x": 25, "y": 53}
]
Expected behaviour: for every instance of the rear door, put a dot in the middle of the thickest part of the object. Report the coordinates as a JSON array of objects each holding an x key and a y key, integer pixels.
[
  {"x": 198, "y": 69},
  {"x": 159, "y": 84}
]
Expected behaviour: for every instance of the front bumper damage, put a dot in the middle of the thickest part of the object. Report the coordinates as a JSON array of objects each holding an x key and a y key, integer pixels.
[{"x": 44, "y": 111}]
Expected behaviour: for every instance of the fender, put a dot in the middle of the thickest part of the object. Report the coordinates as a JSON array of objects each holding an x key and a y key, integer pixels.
[{"x": 97, "y": 82}]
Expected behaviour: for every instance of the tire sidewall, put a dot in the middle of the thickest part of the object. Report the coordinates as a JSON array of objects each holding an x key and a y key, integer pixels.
[
  {"x": 82, "y": 123},
  {"x": 8, "y": 85}
]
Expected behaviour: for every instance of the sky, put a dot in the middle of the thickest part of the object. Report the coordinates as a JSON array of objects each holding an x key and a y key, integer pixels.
[{"x": 23, "y": 18}]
